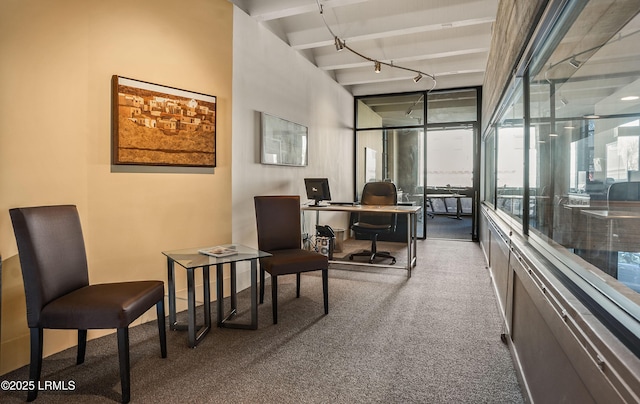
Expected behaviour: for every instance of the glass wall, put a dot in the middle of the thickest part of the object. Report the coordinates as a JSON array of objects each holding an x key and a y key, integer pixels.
[
  {"x": 571, "y": 153},
  {"x": 391, "y": 145},
  {"x": 510, "y": 155}
]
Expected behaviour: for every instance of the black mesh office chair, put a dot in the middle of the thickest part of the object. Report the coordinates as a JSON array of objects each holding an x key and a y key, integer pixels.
[{"x": 374, "y": 224}]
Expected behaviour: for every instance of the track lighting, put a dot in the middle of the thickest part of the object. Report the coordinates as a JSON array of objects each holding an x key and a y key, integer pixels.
[
  {"x": 341, "y": 44},
  {"x": 564, "y": 101},
  {"x": 575, "y": 63}
]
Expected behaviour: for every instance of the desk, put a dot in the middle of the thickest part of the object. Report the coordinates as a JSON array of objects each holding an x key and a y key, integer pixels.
[
  {"x": 190, "y": 259},
  {"x": 410, "y": 211},
  {"x": 609, "y": 232},
  {"x": 458, "y": 198}
]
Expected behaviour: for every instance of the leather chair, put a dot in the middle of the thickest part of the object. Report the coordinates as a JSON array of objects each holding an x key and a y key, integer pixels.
[
  {"x": 58, "y": 294},
  {"x": 374, "y": 224},
  {"x": 279, "y": 233}
]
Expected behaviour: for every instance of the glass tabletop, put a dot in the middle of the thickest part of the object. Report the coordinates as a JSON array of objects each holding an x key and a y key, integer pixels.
[{"x": 191, "y": 258}]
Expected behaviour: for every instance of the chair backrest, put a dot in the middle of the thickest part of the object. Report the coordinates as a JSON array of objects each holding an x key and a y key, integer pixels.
[
  {"x": 278, "y": 222},
  {"x": 378, "y": 193},
  {"x": 624, "y": 191},
  {"x": 52, "y": 254}
]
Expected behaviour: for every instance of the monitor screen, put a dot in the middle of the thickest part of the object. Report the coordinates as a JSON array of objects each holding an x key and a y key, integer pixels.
[{"x": 317, "y": 189}]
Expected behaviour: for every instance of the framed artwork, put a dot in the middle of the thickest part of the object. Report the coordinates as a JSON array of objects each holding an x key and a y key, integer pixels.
[
  {"x": 283, "y": 142},
  {"x": 161, "y": 126}
]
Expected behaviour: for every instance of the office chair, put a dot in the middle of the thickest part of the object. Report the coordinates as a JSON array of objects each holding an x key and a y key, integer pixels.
[
  {"x": 279, "y": 233},
  {"x": 624, "y": 192},
  {"x": 374, "y": 224},
  {"x": 59, "y": 296}
]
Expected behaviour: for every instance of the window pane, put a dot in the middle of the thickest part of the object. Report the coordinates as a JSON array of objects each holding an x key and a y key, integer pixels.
[
  {"x": 453, "y": 106},
  {"x": 510, "y": 154},
  {"x": 488, "y": 156},
  {"x": 585, "y": 145},
  {"x": 386, "y": 111}
]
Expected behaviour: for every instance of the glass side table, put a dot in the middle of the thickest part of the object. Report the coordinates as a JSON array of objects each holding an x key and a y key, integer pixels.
[{"x": 190, "y": 259}]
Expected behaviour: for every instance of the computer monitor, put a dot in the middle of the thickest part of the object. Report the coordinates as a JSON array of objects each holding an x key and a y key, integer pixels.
[{"x": 317, "y": 189}]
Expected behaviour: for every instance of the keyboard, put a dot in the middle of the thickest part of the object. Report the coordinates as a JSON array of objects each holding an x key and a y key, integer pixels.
[{"x": 343, "y": 203}]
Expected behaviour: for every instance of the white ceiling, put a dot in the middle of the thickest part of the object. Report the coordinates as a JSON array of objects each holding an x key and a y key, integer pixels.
[{"x": 448, "y": 39}]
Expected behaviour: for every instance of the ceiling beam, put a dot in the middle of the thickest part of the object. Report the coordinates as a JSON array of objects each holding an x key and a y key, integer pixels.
[
  {"x": 448, "y": 43},
  {"x": 384, "y": 25},
  {"x": 263, "y": 10}
]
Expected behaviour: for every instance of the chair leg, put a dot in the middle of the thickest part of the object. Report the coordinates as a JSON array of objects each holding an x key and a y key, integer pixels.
[
  {"x": 162, "y": 332},
  {"x": 82, "y": 346},
  {"x": 261, "y": 285},
  {"x": 123, "y": 354},
  {"x": 325, "y": 289},
  {"x": 274, "y": 298},
  {"x": 298, "y": 284},
  {"x": 36, "y": 362}
]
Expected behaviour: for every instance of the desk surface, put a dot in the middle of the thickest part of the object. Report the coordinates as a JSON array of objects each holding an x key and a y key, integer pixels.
[
  {"x": 402, "y": 209},
  {"x": 611, "y": 214},
  {"x": 447, "y": 196},
  {"x": 191, "y": 258}
]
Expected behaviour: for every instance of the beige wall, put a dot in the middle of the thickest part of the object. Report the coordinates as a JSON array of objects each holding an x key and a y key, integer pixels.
[{"x": 55, "y": 72}]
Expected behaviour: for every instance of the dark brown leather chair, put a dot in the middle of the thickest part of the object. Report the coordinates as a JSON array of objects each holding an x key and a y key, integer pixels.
[
  {"x": 373, "y": 224},
  {"x": 279, "y": 233},
  {"x": 58, "y": 294}
]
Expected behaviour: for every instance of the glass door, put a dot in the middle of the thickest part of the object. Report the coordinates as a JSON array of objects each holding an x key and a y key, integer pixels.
[{"x": 450, "y": 192}]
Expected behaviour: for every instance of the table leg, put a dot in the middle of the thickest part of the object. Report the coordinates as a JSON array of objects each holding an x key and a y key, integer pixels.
[
  {"x": 220, "y": 293},
  {"x": 222, "y": 319},
  {"x": 254, "y": 294},
  {"x": 194, "y": 336},
  {"x": 191, "y": 307},
  {"x": 206, "y": 285},
  {"x": 172, "y": 293},
  {"x": 234, "y": 297}
]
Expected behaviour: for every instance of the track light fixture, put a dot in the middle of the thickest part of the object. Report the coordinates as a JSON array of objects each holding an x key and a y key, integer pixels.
[
  {"x": 341, "y": 44},
  {"x": 575, "y": 63}
]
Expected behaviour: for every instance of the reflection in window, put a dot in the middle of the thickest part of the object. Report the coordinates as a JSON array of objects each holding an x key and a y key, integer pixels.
[
  {"x": 585, "y": 161},
  {"x": 510, "y": 170}
]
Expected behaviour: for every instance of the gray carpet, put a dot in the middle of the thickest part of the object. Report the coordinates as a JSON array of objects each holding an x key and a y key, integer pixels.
[{"x": 433, "y": 338}]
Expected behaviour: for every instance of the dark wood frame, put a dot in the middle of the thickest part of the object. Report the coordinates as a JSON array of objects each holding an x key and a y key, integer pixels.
[{"x": 157, "y": 125}]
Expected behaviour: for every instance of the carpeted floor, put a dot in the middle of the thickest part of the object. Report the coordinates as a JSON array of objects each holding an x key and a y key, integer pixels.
[{"x": 433, "y": 338}]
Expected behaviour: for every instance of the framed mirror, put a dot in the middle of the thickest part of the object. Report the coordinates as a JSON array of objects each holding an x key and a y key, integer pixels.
[{"x": 283, "y": 142}]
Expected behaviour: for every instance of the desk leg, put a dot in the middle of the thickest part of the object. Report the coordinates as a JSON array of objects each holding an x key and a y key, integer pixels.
[
  {"x": 411, "y": 241},
  {"x": 172, "y": 293}
]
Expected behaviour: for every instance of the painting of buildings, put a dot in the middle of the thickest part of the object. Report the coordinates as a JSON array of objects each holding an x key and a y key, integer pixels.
[{"x": 165, "y": 126}]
